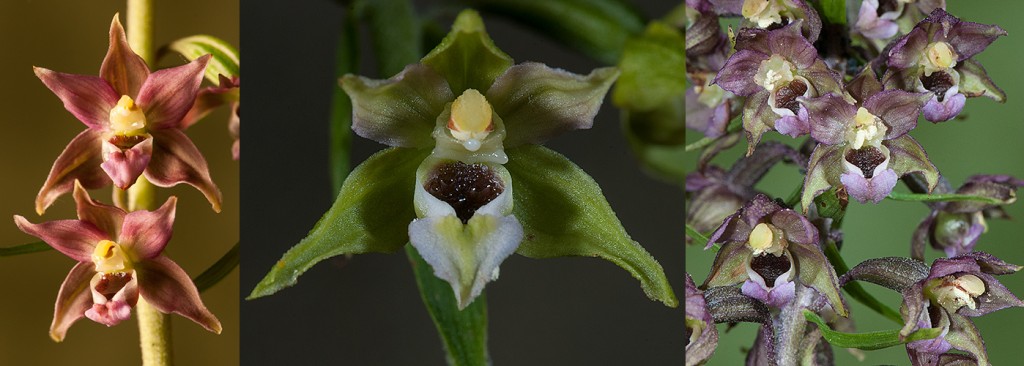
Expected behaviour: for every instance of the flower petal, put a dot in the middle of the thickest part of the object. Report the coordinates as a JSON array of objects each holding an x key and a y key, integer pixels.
[
  {"x": 937, "y": 111},
  {"x": 816, "y": 272},
  {"x": 168, "y": 288},
  {"x": 907, "y": 51},
  {"x": 872, "y": 190},
  {"x": 121, "y": 67},
  {"x": 107, "y": 218},
  {"x": 870, "y": 25},
  {"x": 974, "y": 81},
  {"x": 125, "y": 166},
  {"x": 116, "y": 309},
  {"x": 176, "y": 160},
  {"x": 907, "y": 156},
  {"x": 73, "y": 299},
  {"x": 971, "y": 38},
  {"x": 537, "y": 102},
  {"x": 758, "y": 118},
  {"x": 823, "y": 171},
  {"x": 795, "y": 226},
  {"x": 730, "y": 266},
  {"x": 147, "y": 232},
  {"x": 922, "y": 236},
  {"x": 897, "y": 109},
  {"x": 74, "y": 238},
  {"x": 80, "y": 161},
  {"x": 89, "y": 98},
  {"x": 737, "y": 76},
  {"x": 964, "y": 336},
  {"x": 864, "y": 85},
  {"x": 168, "y": 94},
  {"x": 400, "y": 111},
  {"x": 830, "y": 117}
]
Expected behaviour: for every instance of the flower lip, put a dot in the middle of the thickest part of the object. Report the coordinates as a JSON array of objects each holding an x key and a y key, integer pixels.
[
  {"x": 938, "y": 83},
  {"x": 465, "y": 187}
]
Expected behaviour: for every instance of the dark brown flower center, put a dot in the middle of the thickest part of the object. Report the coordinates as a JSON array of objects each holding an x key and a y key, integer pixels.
[
  {"x": 784, "y": 21},
  {"x": 885, "y": 6},
  {"x": 866, "y": 159},
  {"x": 785, "y": 97},
  {"x": 770, "y": 267},
  {"x": 938, "y": 82},
  {"x": 125, "y": 142},
  {"x": 110, "y": 283},
  {"x": 466, "y": 187}
]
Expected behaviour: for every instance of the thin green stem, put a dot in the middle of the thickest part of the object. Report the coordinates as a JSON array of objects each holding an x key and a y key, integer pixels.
[
  {"x": 140, "y": 28},
  {"x": 224, "y": 266},
  {"x": 944, "y": 197}
]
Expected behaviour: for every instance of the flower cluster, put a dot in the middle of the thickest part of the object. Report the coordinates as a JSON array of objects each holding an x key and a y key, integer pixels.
[{"x": 851, "y": 108}]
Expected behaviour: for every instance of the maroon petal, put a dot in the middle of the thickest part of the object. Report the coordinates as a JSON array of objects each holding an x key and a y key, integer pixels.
[
  {"x": 738, "y": 73},
  {"x": 971, "y": 38},
  {"x": 168, "y": 94},
  {"x": 73, "y": 300},
  {"x": 922, "y": 236},
  {"x": 177, "y": 160},
  {"x": 830, "y": 117},
  {"x": 80, "y": 160},
  {"x": 122, "y": 68},
  {"x": 169, "y": 289},
  {"x": 74, "y": 238},
  {"x": 897, "y": 109},
  {"x": 106, "y": 218},
  {"x": 788, "y": 42},
  {"x": 906, "y": 52},
  {"x": 125, "y": 166},
  {"x": 864, "y": 85},
  {"x": 89, "y": 98},
  {"x": 795, "y": 226},
  {"x": 147, "y": 232},
  {"x": 947, "y": 266},
  {"x": 207, "y": 100}
]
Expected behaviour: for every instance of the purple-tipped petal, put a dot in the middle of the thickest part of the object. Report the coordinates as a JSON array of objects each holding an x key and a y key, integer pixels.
[
  {"x": 106, "y": 218},
  {"x": 703, "y": 346},
  {"x": 922, "y": 236},
  {"x": 210, "y": 98},
  {"x": 730, "y": 265},
  {"x": 870, "y": 25},
  {"x": 872, "y": 190},
  {"x": 74, "y": 238},
  {"x": 121, "y": 67},
  {"x": 89, "y": 98},
  {"x": 936, "y": 111},
  {"x": 992, "y": 265},
  {"x": 177, "y": 160},
  {"x": 737, "y": 76},
  {"x": 906, "y": 156},
  {"x": 168, "y": 94},
  {"x": 80, "y": 161},
  {"x": 169, "y": 289},
  {"x": 794, "y": 126},
  {"x": 73, "y": 300},
  {"x": 824, "y": 166},
  {"x": 147, "y": 232},
  {"x": 758, "y": 118},
  {"x": 964, "y": 336},
  {"x": 125, "y": 166},
  {"x": 974, "y": 81},
  {"x": 898, "y": 109},
  {"x": 830, "y": 117}
]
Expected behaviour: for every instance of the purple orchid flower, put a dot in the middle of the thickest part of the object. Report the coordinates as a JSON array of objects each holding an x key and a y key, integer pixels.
[
  {"x": 954, "y": 227},
  {"x": 772, "y": 69},
  {"x": 773, "y": 14},
  {"x": 134, "y": 125},
  {"x": 701, "y": 334},
  {"x": 709, "y": 108},
  {"x": 936, "y": 57},
  {"x": 883, "y": 19},
  {"x": 210, "y": 98},
  {"x": 770, "y": 249},
  {"x": 119, "y": 258},
  {"x": 863, "y": 145}
]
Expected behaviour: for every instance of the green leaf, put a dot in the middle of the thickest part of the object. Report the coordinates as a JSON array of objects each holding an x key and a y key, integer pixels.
[
  {"x": 946, "y": 197},
  {"x": 699, "y": 239},
  {"x": 224, "y": 60},
  {"x": 833, "y": 11},
  {"x": 24, "y": 249},
  {"x": 855, "y": 290},
  {"x": 464, "y": 333},
  {"x": 220, "y": 269},
  {"x": 869, "y": 340},
  {"x": 598, "y": 28},
  {"x": 653, "y": 71},
  {"x": 564, "y": 213},
  {"x": 371, "y": 214},
  {"x": 346, "y": 60},
  {"x": 467, "y": 57}
]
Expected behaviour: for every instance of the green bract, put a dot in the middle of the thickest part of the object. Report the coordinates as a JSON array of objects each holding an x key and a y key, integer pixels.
[{"x": 461, "y": 123}]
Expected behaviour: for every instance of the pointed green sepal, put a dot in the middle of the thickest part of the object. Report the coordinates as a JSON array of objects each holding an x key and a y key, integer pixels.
[
  {"x": 399, "y": 111},
  {"x": 467, "y": 57}
]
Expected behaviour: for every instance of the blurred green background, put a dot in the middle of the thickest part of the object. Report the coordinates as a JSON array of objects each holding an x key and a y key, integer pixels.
[
  {"x": 988, "y": 141},
  {"x": 71, "y": 36}
]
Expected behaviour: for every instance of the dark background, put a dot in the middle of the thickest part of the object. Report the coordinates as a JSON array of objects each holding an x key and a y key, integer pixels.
[{"x": 366, "y": 310}]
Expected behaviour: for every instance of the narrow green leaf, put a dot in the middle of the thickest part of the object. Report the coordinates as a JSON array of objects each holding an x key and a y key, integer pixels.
[
  {"x": 698, "y": 238},
  {"x": 464, "y": 333},
  {"x": 220, "y": 269},
  {"x": 868, "y": 340},
  {"x": 833, "y": 11},
  {"x": 224, "y": 60},
  {"x": 371, "y": 214},
  {"x": 24, "y": 249},
  {"x": 467, "y": 57},
  {"x": 346, "y": 60},
  {"x": 947, "y": 197},
  {"x": 855, "y": 290},
  {"x": 564, "y": 213}
]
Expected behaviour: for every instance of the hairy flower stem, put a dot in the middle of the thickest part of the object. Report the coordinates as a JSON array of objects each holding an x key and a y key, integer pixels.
[
  {"x": 154, "y": 326},
  {"x": 790, "y": 327}
]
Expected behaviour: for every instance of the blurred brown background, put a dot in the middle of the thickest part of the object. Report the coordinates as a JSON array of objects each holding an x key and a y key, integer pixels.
[{"x": 71, "y": 36}]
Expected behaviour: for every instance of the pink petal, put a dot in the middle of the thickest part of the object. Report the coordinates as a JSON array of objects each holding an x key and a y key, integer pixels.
[
  {"x": 80, "y": 160},
  {"x": 125, "y": 166},
  {"x": 89, "y": 98},
  {"x": 74, "y": 238},
  {"x": 122, "y": 68},
  {"x": 147, "y": 232},
  {"x": 234, "y": 126},
  {"x": 118, "y": 307},
  {"x": 107, "y": 218},
  {"x": 177, "y": 160},
  {"x": 210, "y": 98},
  {"x": 168, "y": 94},
  {"x": 73, "y": 300},
  {"x": 169, "y": 289}
]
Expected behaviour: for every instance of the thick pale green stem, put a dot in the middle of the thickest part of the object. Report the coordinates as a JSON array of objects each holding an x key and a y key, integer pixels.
[
  {"x": 154, "y": 335},
  {"x": 140, "y": 28}
]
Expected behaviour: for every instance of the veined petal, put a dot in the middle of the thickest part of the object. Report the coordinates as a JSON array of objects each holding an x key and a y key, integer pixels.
[
  {"x": 89, "y": 98},
  {"x": 121, "y": 67},
  {"x": 80, "y": 161},
  {"x": 125, "y": 166},
  {"x": 964, "y": 336},
  {"x": 974, "y": 81},
  {"x": 730, "y": 265},
  {"x": 177, "y": 160},
  {"x": 737, "y": 75},
  {"x": 168, "y": 288},
  {"x": 146, "y": 233},
  {"x": 399, "y": 111},
  {"x": 898, "y": 109},
  {"x": 873, "y": 189},
  {"x": 74, "y": 238},
  {"x": 107, "y": 218},
  {"x": 971, "y": 38},
  {"x": 823, "y": 171},
  {"x": 937, "y": 111},
  {"x": 830, "y": 117},
  {"x": 209, "y": 99},
  {"x": 73, "y": 300},
  {"x": 537, "y": 102},
  {"x": 168, "y": 94},
  {"x": 467, "y": 57},
  {"x": 467, "y": 256}
]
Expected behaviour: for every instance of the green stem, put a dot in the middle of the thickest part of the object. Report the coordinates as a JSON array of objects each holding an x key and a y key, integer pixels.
[
  {"x": 346, "y": 61},
  {"x": 735, "y": 126},
  {"x": 946, "y": 197},
  {"x": 154, "y": 334},
  {"x": 856, "y": 291}
]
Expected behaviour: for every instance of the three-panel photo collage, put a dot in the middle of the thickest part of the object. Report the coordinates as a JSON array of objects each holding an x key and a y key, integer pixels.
[{"x": 511, "y": 182}]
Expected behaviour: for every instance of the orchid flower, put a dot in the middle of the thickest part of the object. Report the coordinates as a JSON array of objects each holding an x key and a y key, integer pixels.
[
  {"x": 120, "y": 258},
  {"x": 773, "y": 14},
  {"x": 133, "y": 119},
  {"x": 954, "y": 227},
  {"x": 883, "y": 19}
]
